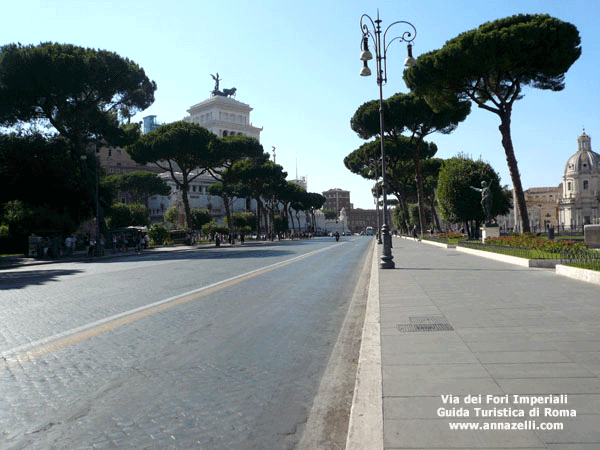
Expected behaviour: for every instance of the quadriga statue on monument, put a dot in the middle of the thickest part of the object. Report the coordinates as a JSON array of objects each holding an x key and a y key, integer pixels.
[{"x": 225, "y": 92}]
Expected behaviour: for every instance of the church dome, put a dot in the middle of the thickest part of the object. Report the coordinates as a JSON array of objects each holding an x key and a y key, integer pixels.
[{"x": 585, "y": 161}]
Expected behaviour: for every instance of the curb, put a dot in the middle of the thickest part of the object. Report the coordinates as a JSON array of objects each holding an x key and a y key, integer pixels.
[
  {"x": 536, "y": 263},
  {"x": 365, "y": 428},
  {"x": 589, "y": 276}
]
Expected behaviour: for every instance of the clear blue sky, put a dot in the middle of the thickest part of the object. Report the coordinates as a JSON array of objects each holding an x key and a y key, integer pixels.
[{"x": 296, "y": 64}]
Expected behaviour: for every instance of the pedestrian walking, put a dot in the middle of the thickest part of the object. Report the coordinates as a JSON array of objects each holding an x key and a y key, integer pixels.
[
  {"x": 68, "y": 245},
  {"x": 91, "y": 244},
  {"x": 415, "y": 234}
]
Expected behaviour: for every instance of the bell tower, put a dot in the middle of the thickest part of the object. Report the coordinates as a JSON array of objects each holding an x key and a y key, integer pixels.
[{"x": 584, "y": 142}]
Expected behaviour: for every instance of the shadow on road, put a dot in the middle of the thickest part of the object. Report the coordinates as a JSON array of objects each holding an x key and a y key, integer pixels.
[
  {"x": 202, "y": 253},
  {"x": 18, "y": 280}
]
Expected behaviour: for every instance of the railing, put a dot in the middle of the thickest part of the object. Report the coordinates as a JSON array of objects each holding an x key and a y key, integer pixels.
[{"x": 586, "y": 259}]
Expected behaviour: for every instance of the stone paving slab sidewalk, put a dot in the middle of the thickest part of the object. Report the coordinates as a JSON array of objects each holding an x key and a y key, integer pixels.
[{"x": 454, "y": 325}]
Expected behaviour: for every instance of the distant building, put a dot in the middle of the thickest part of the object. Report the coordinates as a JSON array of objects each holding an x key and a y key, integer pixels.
[
  {"x": 336, "y": 200},
  {"x": 569, "y": 206},
  {"x": 198, "y": 196},
  {"x": 300, "y": 182},
  {"x": 116, "y": 160},
  {"x": 149, "y": 124},
  {"x": 359, "y": 219},
  {"x": 579, "y": 204},
  {"x": 224, "y": 116},
  {"x": 542, "y": 209}
]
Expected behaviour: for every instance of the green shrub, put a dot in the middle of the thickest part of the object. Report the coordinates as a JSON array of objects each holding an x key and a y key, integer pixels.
[
  {"x": 158, "y": 232},
  {"x": 212, "y": 227}
]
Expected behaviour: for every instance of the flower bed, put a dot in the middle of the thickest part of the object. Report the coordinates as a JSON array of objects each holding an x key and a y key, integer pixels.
[
  {"x": 529, "y": 246},
  {"x": 533, "y": 242}
]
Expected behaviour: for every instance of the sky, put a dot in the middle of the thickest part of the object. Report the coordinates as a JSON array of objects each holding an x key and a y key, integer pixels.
[{"x": 297, "y": 65}]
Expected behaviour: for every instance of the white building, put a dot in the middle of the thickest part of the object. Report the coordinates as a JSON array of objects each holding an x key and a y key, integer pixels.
[
  {"x": 198, "y": 196},
  {"x": 569, "y": 206},
  {"x": 224, "y": 116},
  {"x": 579, "y": 204}
]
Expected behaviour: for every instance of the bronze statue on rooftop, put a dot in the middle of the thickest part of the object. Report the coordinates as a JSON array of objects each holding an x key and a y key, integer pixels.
[{"x": 225, "y": 92}]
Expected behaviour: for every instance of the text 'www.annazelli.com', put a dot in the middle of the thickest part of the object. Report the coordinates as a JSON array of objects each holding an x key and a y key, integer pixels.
[{"x": 505, "y": 426}]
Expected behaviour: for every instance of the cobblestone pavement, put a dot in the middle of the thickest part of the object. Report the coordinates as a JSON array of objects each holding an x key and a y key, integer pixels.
[{"x": 233, "y": 366}]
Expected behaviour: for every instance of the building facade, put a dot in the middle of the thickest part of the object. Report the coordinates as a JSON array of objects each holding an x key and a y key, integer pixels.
[
  {"x": 359, "y": 219},
  {"x": 116, "y": 160},
  {"x": 542, "y": 209},
  {"x": 224, "y": 116},
  {"x": 580, "y": 200},
  {"x": 149, "y": 124},
  {"x": 336, "y": 200},
  {"x": 198, "y": 197},
  {"x": 569, "y": 206}
]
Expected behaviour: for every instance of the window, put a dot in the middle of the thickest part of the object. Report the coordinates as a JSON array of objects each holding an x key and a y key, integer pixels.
[
  {"x": 586, "y": 184},
  {"x": 569, "y": 186}
]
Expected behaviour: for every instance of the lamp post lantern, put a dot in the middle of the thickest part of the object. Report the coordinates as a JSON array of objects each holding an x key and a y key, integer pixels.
[{"x": 380, "y": 48}]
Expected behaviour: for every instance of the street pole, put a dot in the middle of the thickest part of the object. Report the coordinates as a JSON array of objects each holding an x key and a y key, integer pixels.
[
  {"x": 376, "y": 196},
  {"x": 380, "y": 49}
]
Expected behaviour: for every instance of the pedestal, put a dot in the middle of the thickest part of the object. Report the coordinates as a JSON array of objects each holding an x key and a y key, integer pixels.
[
  {"x": 591, "y": 235},
  {"x": 489, "y": 231}
]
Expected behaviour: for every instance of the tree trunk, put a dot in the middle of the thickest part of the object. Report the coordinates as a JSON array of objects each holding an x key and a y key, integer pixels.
[
  {"x": 419, "y": 179},
  {"x": 434, "y": 214},
  {"x": 267, "y": 217},
  {"x": 291, "y": 218},
  {"x": 227, "y": 210},
  {"x": 258, "y": 219},
  {"x": 186, "y": 202},
  {"x": 514, "y": 170}
]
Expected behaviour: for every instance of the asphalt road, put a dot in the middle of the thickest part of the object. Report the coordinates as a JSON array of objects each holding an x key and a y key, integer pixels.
[{"x": 204, "y": 349}]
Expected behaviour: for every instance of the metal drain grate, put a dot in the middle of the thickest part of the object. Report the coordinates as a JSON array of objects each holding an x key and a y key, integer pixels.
[
  {"x": 438, "y": 318},
  {"x": 425, "y": 323}
]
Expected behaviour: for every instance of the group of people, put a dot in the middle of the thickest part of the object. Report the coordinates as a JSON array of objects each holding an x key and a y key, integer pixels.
[
  {"x": 56, "y": 247},
  {"x": 120, "y": 242}
]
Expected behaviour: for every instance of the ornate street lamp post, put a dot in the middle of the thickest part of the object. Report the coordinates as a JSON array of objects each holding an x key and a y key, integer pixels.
[
  {"x": 380, "y": 48},
  {"x": 373, "y": 164}
]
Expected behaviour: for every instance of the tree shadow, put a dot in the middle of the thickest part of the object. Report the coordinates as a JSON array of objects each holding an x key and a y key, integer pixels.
[
  {"x": 192, "y": 254},
  {"x": 19, "y": 280}
]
